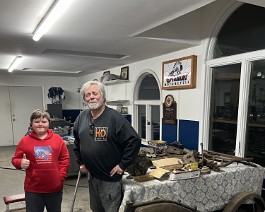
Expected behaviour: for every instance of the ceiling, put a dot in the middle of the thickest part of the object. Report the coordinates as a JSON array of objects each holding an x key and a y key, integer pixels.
[{"x": 95, "y": 35}]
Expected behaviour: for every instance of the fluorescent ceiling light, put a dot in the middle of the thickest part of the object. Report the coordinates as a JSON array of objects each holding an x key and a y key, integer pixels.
[
  {"x": 57, "y": 9},
  {"x": 15, "y": 63},
  {"x": 49, "y": 70}
]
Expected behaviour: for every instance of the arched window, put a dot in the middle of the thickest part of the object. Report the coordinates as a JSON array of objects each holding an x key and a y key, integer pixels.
[
  {"x": 235, "y": 86},
  {"x": 148, "y": 88},
  {"x": 244, "y": 31}
]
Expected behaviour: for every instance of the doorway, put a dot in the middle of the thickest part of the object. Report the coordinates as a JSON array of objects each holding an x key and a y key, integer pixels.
[
  {"x": 17, "y": 103},
  {"x": 147, "y": 107}
]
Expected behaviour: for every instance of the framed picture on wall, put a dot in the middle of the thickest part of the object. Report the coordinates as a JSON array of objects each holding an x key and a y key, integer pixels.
[
  {"x": 179, "y": 73},
  {"x": 124, "y": 110},
  {"x": 124, "y": 73}
]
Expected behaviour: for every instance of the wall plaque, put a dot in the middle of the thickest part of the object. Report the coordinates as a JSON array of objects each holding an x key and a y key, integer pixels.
[{"x": 169, "y": 110}]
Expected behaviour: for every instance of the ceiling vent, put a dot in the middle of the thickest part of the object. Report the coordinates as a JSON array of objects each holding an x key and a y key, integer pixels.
[{"x": 84, "y": 54}]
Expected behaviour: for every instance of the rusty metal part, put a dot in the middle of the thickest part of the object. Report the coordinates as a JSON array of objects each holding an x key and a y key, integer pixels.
[{"x": 140, "y": 165}]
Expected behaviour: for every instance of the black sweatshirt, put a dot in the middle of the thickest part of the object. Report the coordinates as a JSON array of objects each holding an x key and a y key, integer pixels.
[{"x": 103, "y": 143}]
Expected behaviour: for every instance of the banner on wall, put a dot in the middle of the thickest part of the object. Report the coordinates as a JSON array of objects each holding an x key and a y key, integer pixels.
[{"x": 169, "y": 110}]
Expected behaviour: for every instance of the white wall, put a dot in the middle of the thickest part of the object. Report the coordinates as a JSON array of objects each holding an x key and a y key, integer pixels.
[
  {"x": 189, "y": 101},
  {"x": 68, "y": 84}
]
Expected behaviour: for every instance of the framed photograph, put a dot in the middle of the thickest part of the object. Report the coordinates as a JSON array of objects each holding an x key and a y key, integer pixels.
[
  {"x": 125, "y": 73},
  {"x": 179, "y": 73},
  {"x": 124, "y": 110},
  {"x": 119, "y": 108}
]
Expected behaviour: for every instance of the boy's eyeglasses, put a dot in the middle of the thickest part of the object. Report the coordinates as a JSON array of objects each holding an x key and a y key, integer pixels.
[{"x": 91, "y": 127}]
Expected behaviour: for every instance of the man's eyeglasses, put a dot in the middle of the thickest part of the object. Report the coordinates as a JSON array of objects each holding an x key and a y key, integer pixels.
[{"x": 91, "y": 127}]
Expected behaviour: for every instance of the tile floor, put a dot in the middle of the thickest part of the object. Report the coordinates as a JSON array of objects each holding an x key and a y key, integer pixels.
[{"x": 11, "y": 182}]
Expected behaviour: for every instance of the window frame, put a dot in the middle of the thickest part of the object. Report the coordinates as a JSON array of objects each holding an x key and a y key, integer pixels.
[{"x": 246, "y": 60}]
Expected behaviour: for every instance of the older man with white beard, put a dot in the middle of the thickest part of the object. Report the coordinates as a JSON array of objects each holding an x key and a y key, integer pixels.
[{"x": 105, "y": 145}]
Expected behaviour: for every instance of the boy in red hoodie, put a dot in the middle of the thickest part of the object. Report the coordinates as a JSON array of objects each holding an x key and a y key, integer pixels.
[{"x": 44, "y": 156}]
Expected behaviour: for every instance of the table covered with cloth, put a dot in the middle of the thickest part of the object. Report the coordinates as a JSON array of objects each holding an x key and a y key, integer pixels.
[{"x": 208, "y": 192}]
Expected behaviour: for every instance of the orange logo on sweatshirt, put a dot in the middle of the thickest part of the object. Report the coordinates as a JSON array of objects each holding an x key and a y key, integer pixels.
[{"x": 101, "y": 133}]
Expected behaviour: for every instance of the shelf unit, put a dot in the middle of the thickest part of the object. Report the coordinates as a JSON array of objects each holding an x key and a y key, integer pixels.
[
  {"x": 116, "y": 91},
  {"x": 251, "y": 124},
  {"x": 113, "y": 82},
  {"x": 117, "y": 102}
]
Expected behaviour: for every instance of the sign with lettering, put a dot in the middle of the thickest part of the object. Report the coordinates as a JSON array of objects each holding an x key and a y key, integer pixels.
[{"x": 180, "y": 73}]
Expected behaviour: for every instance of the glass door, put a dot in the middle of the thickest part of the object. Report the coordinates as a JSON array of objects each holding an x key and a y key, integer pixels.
[
  {"x": 142, "y": 121},
  {"x": 224, "y": 108},
  {"x": 155, "y": 122},
  {"x": 255, "y": 139},
  {"x": 147, "y": 106},
  {"x": 149, "y": 122}
]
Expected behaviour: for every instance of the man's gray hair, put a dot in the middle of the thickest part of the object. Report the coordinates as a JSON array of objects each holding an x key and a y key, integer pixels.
[{"x": 90, "y": 83}]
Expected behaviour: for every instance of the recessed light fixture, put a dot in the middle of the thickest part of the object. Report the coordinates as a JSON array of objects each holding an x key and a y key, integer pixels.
[
  {"x": 56, "y": 10},
  {"x": 15, "y": 63}
]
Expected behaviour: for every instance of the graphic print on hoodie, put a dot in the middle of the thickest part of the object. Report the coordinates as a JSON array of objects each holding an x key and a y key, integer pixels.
[{"x": 43, "y": 154}]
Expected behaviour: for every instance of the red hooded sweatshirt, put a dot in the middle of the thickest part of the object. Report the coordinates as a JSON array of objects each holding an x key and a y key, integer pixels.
[{"x": 49, "y": 162}]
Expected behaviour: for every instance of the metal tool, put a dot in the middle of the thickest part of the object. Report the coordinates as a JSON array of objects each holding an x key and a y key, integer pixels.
[{"x": 76, "y": 188}]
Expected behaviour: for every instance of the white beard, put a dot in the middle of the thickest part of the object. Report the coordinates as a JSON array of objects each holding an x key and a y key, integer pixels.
[{"x": 95, "y": 105}]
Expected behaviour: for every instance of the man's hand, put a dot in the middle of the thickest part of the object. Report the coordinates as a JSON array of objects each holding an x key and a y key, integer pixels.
[
  {"x": 116, "y": 170},
  {"x": 83, "y": 169}
]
